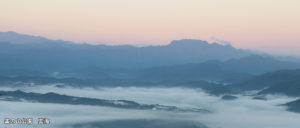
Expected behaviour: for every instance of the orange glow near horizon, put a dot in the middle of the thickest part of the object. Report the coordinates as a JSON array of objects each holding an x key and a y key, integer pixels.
[{"x": 267, "y": 25}]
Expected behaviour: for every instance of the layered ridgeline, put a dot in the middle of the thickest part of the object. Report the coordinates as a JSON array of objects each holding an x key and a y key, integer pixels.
[
  {"x": 230, "y": 71},
  {"x": 217, "y": 69},
  {"x": 282, "y": 81},
  {"x": 38, "y": 53},
  {"x": 32, "y": 55},
  {"x": 189, "y": 63}
]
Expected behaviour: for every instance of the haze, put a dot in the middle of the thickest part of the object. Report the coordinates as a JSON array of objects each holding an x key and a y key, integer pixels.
[{"x": 269, "y": 25}]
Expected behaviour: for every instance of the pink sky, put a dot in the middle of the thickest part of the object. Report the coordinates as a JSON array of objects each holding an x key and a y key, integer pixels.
[{"x": 268, "y": 25}]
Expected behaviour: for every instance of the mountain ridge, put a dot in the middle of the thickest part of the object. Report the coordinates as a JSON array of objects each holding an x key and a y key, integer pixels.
[{"x": 52, "y": 55}]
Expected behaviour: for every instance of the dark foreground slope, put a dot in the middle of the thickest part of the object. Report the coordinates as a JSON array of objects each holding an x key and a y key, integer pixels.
[
  {"x": 290, "y": 88},
  {"x": 294, "y": 106}
]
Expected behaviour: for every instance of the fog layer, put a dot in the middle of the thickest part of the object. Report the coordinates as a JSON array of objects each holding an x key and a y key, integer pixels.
[{"x": 243, "y": 112}]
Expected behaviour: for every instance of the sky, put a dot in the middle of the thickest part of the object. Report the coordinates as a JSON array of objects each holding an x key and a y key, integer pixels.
[{"x": 266, "y": 25}]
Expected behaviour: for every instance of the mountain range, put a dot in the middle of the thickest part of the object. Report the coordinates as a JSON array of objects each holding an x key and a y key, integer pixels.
[
  {"x": 18, "y": 51},
  {"x": 26, "y": 55},
  {"x": 193, "y": 63}
]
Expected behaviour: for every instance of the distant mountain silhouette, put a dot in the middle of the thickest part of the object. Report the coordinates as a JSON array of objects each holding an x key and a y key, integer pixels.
[
  {"x": 16, "y": 38},
  {"x": 19, "y": 51}
]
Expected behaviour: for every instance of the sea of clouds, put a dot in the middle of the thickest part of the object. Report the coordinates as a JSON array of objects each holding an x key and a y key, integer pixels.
[{"x": 243, "y": 112}]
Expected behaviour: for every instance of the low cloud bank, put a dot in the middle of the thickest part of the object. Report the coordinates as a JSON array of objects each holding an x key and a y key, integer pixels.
[{"x": 243, "y": 112}]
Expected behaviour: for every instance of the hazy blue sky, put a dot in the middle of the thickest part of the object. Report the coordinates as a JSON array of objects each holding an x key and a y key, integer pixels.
[{"x": 270, "y": 25}]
